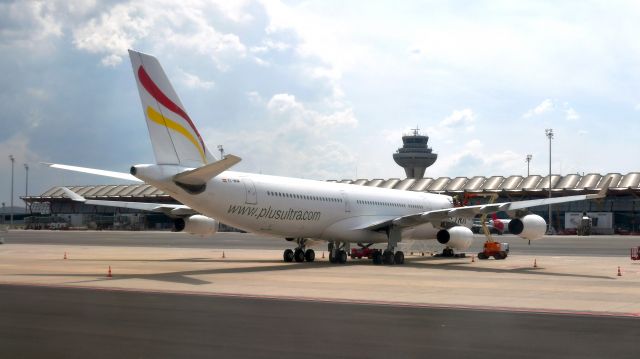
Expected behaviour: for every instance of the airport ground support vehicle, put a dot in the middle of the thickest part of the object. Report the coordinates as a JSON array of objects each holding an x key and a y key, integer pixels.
[{"x": 494, "y": 249}]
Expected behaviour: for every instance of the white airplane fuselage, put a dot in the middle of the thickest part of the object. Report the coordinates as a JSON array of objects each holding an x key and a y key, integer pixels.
[{"x": 300, "y": 208}]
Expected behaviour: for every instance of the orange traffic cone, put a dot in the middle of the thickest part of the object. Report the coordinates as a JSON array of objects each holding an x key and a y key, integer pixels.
[
  {"x": 322, "y": 254},
  {"x": 619, "y": 273},
  {"x": 109, "y": 273},
  {"x": 65, "y": 255},
  {"x": 535, "y": 263},
  {"x": 223, "y": 256},
  {"x": 473, "y": 259}
]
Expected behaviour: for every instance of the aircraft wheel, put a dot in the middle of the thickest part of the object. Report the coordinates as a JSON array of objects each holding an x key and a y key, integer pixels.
[
  {"x": 342, "y": 257},
  {"x": 298, "y": 255},
  {"x": 399, "y": 257},
  {"x": 332, "y": 257},
  {"x": 377, "y": 257},
  {"x": 288, "y": 255},
  {"x": 447, "y": 252},
  {"x": 481, "y": 255},
  {"x": 309, "y": 255},
  {"x": 387, "y": 257}
]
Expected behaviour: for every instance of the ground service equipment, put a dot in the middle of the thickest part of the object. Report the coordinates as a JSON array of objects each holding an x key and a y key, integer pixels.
[{"x": 495, "y": 250}]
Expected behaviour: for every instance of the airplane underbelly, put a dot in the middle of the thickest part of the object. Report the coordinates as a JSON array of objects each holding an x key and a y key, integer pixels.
[
  {"x": 347, "y": 230},
  {"x": 424, "y": 231}
]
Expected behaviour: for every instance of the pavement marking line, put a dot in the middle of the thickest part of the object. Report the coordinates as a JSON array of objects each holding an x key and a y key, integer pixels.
[{"x": 540, "y": 311}]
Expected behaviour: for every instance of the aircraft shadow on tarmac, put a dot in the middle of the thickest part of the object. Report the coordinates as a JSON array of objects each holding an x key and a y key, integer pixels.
[{"x": 187, "y": 277}]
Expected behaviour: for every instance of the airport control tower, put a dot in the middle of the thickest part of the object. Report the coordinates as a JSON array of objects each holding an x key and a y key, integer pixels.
[{"x": 414, "y": 156}]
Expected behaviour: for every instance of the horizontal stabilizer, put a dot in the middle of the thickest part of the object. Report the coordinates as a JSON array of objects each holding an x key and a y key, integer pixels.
[
  {"x": 94, "y": 171},
  {"x": 174, "y": 210},
  {"x": 203, "y": 174}
]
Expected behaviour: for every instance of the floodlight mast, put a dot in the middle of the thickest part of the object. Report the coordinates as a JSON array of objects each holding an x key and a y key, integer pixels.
[
  {"x": 13, "y": 160},
  {"x": 549, "y": 133}
]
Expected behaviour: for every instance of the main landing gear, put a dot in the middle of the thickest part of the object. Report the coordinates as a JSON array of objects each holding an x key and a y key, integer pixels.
[
  {"x": 338, "y": 252},
  {"x": 300, "y": 254},
  {"x": 388, "y": 257},
  {"x": 376, "y": 255}
]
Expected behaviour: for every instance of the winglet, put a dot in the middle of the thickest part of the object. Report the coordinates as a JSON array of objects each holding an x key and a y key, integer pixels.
[
  {"x": 603, "y": 191},
  {"x": 203, "y": 174},
  {"x": 74, "y": 196}
]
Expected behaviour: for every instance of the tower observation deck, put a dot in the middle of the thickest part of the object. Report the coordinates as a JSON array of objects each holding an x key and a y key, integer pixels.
[{"x": 415, "y": 156}]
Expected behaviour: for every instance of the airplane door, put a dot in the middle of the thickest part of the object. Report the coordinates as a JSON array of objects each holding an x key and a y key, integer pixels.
[
  {"x": 250, "y": 191},
  {"x": 345, "y": 199}
]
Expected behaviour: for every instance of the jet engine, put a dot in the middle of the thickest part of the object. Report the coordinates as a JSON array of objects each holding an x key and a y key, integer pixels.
[
  {"x": 196, "y": 224},
  {"x": 458, "y": 237},
  {"x": 530, "y": 227}
]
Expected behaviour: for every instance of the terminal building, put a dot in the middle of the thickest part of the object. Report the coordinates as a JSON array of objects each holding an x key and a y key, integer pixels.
[{"x": 618, "y": 213}]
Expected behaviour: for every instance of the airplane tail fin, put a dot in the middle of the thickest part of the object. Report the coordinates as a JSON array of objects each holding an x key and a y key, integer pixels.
[{"x": 174, "y": 137}]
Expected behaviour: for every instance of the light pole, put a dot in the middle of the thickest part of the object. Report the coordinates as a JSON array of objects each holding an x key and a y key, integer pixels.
[
  {"x": 26, "y": 188},
  {"x": 529, "y": 157},
  {"x": 221, "y": 149},
  {"x": 549, "y": 133},
  {"x": 13, "y": 160}
]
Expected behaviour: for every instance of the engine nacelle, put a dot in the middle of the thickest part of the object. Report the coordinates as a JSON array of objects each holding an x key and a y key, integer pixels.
[
  {"x": 196, "y": 224},
  {"x": 458, "y": 237},
  {"x": 530, "y": 227}
]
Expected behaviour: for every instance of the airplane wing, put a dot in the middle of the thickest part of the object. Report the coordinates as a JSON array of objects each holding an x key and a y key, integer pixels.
[
  {"x": 94, "y": 171},
  {"x": 175, "y": 210},
  {"x": 438, "y": 215}
]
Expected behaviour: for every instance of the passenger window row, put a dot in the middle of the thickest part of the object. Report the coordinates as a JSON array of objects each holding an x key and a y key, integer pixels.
[
  {"x": 389, "y": 204},
  {"x": 303, "y": 196}
]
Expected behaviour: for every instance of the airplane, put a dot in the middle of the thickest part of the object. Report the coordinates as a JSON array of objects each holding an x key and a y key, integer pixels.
[{"x": 300, "y": 210}]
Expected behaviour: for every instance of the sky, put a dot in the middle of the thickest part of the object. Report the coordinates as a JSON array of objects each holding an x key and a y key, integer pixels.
[{"x": 324, "y": 89}]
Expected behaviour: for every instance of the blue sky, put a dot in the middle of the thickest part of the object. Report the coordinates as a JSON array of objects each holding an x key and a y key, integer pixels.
[{"x": 323, "y": 89}]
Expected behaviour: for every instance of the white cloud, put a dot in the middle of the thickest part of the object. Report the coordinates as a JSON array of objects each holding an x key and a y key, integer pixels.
[
  {"x": 545, "y": 106},
  {"x": 294, "y": 140},
  {"x": 29, "y": 24},
  {"x": 194, "y": 82},
  {"x": 113, "y": 32},
  {"x": 474, "y": 159},
  {"x": 448, "y": 129},
  {"x": 637, "y": 108},
  {"x": 286, "y": 108},
  {"x": 181, "y": 25},
  {"x": 572, "y": 115},
  {"x": 234, "y": 10},
  {"x": 460, "y": 118},
  {"x": 268, "y": 45}
]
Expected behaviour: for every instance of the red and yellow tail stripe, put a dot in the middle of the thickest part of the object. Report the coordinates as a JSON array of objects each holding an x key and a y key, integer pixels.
[{"x": 158, "y": 118}]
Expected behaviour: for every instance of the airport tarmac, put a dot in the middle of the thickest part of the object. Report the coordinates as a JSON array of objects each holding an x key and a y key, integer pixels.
[
  {"x": 563, "y": 245},
  {"x": 558, "y": 282},
  {"x": 562, "y": 284},
  {"x": 39, "y": 322}
]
